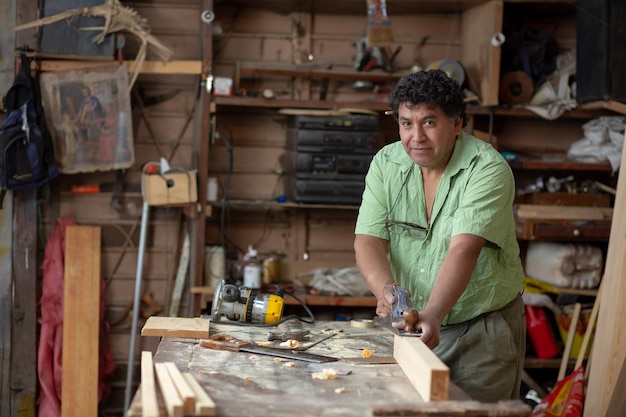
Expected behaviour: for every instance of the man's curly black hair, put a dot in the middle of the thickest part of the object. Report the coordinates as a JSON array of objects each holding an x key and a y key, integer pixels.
[{"x": 432, "y": 88}]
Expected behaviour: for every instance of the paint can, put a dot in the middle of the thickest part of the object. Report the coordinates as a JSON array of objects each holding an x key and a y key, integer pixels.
[{"x": 270, "y": 271}]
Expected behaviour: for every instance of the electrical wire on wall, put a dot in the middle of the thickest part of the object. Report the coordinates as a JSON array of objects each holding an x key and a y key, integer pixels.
[
  {"x": 226, "y": 187},
  {"x": 266, "y": 220}
]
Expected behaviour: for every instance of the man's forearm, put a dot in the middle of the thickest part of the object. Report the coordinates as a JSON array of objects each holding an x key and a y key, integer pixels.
[
  {"x": 454, "y": 276},
  {"x": 371, "y": 259}
]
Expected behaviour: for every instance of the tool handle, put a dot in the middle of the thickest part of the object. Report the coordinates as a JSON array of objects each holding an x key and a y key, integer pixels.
[{"x": 223, "y": 342}]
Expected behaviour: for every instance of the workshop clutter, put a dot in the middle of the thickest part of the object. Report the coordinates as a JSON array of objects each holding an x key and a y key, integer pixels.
[
  {"x": 165, "y": 186},
  {"x": 566, "y": 265},
  {"x": 214, "y": 265},
  {"x": 255, "y": 271},
  {"x": 603, "y": 140},
  {"x": 335, "y": 281},
  {"x": 540, "y": 332},
  {"x": 564, "y": 322}
]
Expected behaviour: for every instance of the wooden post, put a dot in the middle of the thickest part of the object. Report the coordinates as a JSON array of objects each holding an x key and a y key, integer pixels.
[{"x": 81, "y": 322}]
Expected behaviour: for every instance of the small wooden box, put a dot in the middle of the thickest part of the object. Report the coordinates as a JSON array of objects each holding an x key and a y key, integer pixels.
[{"x": 171, "y": 189}]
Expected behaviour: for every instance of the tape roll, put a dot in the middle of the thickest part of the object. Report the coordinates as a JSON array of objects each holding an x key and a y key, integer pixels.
[
  {"x": 498, "y": 39},
  {"x": 362, "y": 323},
  {"x": 516, "y": 87}
]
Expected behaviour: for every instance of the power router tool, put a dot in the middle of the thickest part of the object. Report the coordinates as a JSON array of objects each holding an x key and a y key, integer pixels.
[{"x": 245, "y": 305}]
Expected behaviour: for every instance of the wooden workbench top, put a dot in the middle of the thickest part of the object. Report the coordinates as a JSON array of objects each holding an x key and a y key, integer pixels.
[{"x": 247, "y": 384}]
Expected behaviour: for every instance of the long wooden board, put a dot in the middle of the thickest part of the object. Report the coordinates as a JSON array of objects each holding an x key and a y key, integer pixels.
[
  {"x": 81, "y": 318},
  {"x": 192, "y": 327},
  {"x": 149, "y": 404},
  {"x": 205, "y": 406},
  {"x": 609, "y": 354},
  {"x": 173, "y": 402},
  {"x": 429, "y": 376}
]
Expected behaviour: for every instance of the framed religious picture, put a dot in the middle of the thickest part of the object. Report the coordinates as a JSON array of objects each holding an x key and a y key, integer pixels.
[{"x": 89, "y": 118}]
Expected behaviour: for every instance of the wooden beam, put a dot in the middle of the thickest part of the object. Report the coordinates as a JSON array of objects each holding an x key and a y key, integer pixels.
[
  {"x": 607, "y": 358},
  {"x": 429, "y": 376},
  {"x": 149, "y": 404},
  {"x": 173, "y": 403},
  {"x": 192, "y": 327},
  {"x": 205, "y": 406},
  {"x": 81, "y": 321},
  {"x": 148, "y": 67}
]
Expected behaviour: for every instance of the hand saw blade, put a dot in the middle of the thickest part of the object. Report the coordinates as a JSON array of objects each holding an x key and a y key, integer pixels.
[{"x": 288, "y": 354}]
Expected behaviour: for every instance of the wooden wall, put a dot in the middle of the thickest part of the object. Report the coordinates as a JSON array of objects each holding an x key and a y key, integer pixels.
[{"x": 257, "y": 37}]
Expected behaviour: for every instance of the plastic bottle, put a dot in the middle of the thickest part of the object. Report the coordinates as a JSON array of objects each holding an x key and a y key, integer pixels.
[
  {"x": 540, "y": 332},
  {"x": 252, "y": 269}
]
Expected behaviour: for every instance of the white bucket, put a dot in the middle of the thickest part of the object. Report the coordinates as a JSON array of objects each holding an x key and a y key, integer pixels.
[{"x": 214, "y": 265}]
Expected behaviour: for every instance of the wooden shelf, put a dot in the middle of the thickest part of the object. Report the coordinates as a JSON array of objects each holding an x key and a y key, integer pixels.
[
  {"x": 310, "y": 300},
  {"x": 382, "y": 106},
  {"x": 536, "y": 363},
  {"x": 259, "y": 102},
  {"x": 394, "y": 7},
  {"x": 263, "y": 70},
  {"x": 275, "y": 205},
  {"x": 559, "y": 165}
]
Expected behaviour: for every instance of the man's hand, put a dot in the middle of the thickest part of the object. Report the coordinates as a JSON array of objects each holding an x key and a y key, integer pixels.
[
  {"x": 408, "y": 323},
  {"x": 430, "y": 326},
  {"x": 384, "y": 304}
]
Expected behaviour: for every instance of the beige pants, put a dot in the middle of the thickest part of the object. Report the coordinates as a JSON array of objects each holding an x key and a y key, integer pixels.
[{"x": 486, "y": 354}]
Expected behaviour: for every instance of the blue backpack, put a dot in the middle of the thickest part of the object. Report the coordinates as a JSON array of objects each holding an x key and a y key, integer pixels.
[{"x": 26, "y": 149}]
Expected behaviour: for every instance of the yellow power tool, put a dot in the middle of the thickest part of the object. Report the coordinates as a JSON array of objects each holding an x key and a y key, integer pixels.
[{"x": 245, "y": 305}]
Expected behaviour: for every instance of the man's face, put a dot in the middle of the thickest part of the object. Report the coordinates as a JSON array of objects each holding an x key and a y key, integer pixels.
[{"x": 428, "y": 135}]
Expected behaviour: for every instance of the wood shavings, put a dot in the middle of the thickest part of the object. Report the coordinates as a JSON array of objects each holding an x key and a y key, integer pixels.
[
  {"x": 289, "y": 364},
  {"x": 246, "y": 379},
  {"x": 264, "y": 343},
  {"x": 367, "y": 353},
  {"x": 280, "y": 360},
  {"x": 326, "y": 374},
  {"x": 291, "y": 343},
  {"x": 340, "y": 390}
]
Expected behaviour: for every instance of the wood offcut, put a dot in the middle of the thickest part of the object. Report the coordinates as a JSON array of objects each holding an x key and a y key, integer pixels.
[
  {"x": 191, "y": 327},
  {"x": 429, "y": 376}
]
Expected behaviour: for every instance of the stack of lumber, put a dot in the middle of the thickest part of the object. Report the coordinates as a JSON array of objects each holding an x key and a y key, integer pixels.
[{"x": 181, "y": 393}]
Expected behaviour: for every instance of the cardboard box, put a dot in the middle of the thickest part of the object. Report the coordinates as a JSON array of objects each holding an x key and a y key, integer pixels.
[{"x": 171, "y": 189}]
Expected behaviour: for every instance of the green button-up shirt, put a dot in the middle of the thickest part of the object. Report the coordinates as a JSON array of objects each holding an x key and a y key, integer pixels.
[{"x": 475, "y": 196}]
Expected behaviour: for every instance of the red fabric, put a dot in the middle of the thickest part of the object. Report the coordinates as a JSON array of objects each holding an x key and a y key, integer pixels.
[{"x": 50, "y": 355}]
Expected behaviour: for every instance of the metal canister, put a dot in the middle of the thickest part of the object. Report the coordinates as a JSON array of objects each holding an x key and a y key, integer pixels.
[{"x": 270, "y": 270}]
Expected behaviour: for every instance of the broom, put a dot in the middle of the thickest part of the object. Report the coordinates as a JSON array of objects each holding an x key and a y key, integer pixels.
[{"x": 379, "y": 32}]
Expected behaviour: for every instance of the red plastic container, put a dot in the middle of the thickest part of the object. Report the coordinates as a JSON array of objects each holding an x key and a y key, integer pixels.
[{"x": 541, "y": 334}]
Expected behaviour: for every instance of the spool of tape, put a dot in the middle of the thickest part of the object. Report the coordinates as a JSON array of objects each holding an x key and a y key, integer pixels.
[
  {"x": 516, "y": 87},
  {"x": 362, "y": 323},
  {"x": 498, "y": 39}
]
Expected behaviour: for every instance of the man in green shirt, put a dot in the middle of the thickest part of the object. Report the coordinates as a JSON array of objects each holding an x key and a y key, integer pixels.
[{"x": 437, "y": 218}]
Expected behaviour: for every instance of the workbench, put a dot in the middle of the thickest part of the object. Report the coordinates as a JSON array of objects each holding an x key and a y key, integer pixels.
[{"x": 248, "y": 384}]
